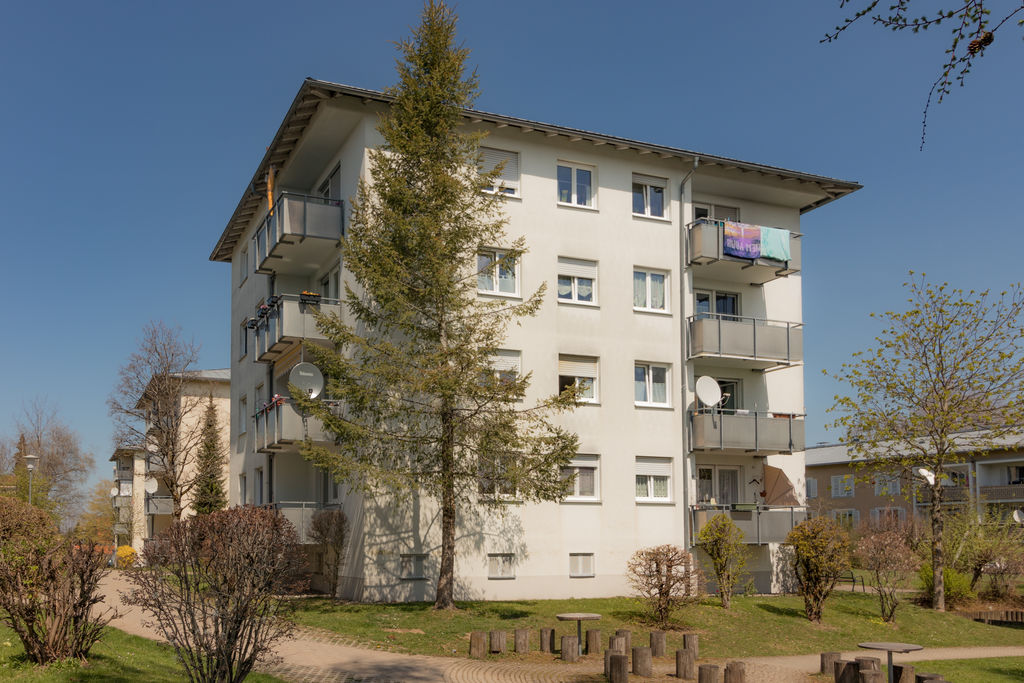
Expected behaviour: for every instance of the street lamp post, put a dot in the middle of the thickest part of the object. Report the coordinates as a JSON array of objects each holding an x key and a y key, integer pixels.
[{"x": 30, "y": 465}]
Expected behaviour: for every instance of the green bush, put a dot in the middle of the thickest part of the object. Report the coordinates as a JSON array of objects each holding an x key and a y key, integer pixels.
[{"x": 957, "y": 585}]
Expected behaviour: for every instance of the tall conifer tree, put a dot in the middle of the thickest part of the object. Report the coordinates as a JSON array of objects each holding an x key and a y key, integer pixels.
[
  {"x": 422, "y": 409},
  {"x": 209, "y": 486}
]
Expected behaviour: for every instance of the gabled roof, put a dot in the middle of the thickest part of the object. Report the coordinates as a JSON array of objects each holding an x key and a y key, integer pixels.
[{"x": 313, "y": 93}]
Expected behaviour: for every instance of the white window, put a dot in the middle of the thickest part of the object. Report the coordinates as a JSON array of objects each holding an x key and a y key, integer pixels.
[
  {"x": 650, "y": 384},
  {"x": 508, "y": 180},
  {"x": 812, "y": 487},
  {"x": 887, "y": 515},
  {"x": 243, "y": 265},
  {"x": 710, "y": 303},
  {"x": 848, "y": 519},
  {"x": 649, "y": 196},
  {"x": 718, "y": 484},
  {"x": 493, "y": 481},
  {"x": 576, "y": 184},
  {"x": 507, "y": 365},
  {"x": 842, "y": 486},
  {"x": 258, "y": 493},
  {"x": 497, "y": 273},
  {"x": 500, "y": 566},
  {"x": 716, "y": 212},
  {"x": 653, "y": 479},
  {"x": 124, "y": 488},
  {"x": 412, "y": 566},
  {"x": 581, "y": 372},
  {"x": 887, "y": 485},
  {"x": 243, "y": 338},
  {"x": 583, "y": 470},
  {"x": 581, "y": 565},
  {"x": 243, "y": 494},
  {"x": 650, "y": 291},
  {"x": 577, "y": 281},
  {"x": 243, "y": 414}
]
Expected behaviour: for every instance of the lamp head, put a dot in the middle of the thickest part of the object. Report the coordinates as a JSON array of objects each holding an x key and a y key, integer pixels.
[{"x": 30, "y": 461}]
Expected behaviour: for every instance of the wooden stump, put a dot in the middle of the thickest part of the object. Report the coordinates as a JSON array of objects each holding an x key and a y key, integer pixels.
[
  {"x": 871, "y": 676},
  {"x": 846, "y": 672},
  {"x": 692, "y": 642},
  {"x": 618, "y": 671},
  {"x": 628, "y": 635},
  {"x": 570, "y": 649},
  {"x": 735, "y": 672},
  {"x": 608, "y": 662},
  {"x": 642, "y": 664},
  {"x": 617, "y": 644},
  {"x": 522, "y": 640},
  {"x": 593, "y": 641},
  {"x": 869, "y": 663},
  {"x": 707, "y": 673},
  {"x": 686, "y": 664},
  {"x": 547, "y": 640},
  {"x": 478, "y": 644},
  {"x": 828, "y": 662},
  {"x": 902, "y": 673},
  {"x": 498, "y": 644},
  {"x": 657, "y": 643}
]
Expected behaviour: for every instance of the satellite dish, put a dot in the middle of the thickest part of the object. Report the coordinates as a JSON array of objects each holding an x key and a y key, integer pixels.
[
  {"x": 925, "y": 474},
  {"x": 150, "y": 486},
  {"x": 113, "y": 492},
  {"x": 308, "y": 378},
  {"x": 1018, "y": 516},
  {"x": 708, "y": 391}
]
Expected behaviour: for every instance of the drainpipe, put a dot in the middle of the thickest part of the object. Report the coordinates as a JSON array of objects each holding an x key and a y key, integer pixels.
[{"x": 683, "y": 251}]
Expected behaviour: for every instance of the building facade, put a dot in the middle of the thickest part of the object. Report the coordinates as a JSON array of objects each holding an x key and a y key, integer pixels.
[
  {"x": 143, "y": 512},
  {"x": 660, "y": 269}
]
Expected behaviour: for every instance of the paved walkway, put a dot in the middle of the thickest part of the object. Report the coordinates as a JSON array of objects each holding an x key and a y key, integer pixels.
[{"x": 317, "y": 656}]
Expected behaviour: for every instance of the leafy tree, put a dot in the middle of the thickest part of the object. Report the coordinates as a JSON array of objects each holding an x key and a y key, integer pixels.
[
  {"x": 821, "y": 552},
  {"x": 974, "y": 30},
  {"x": 883, "y": 550},
  {"x": 944, "y": 384},
  {"x": 722, "y": 541},
  {"x": 208, "y": 495},
  {"x": 666, "y": 578},
  {"x": 97, "y": 522},
  {"x": 216, "y": 587},
  {"x": 423, "y": 410}
]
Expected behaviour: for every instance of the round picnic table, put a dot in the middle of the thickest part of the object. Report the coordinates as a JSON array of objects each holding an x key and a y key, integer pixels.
[
  {"x": 890, "y": 648},
  {"x": 579, "y": 617}
]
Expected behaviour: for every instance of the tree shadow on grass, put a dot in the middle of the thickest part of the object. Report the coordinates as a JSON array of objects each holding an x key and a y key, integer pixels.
[
  {"x": 781, "y": 611},
  {"x": 504, "y": 612}
]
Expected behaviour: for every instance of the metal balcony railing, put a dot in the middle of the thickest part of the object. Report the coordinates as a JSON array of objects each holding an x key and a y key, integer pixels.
[
  {"x": 707, "y": 249},
  {"x": 760, "y": 524},
  {"x": 754, "y": 342},
  {"x": 291, "y": 237},
  {"x": 745, "y": 431},
  {"x": 279, "y": 423},
  {"x": 300, "y": 514},
  {"x": 990, "y": 494},
  {"x": 287, "y": 319}
]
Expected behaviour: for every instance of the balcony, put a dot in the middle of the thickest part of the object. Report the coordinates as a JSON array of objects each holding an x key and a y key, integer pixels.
[
  {"x": 296, "y": 237},
  {"x": 760, "y": 524},
  {"x": 1009, "y": 493},
  {"x": 286, "y": 320},
  {"x": 300, "y": 514},
  {"x": 280, "y": 424},
  {"x": 743, "y": 431},
  {"x": 716, "y": 257},
  {"x": 122, "y": 501},
  {"x": 159, "y": 505},
  {"x": 740, "y": 341},
  {"x": 124, "y": 473}
]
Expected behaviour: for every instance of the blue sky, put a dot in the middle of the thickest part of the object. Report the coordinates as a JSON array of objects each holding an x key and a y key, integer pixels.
[{"x": 130, "y": 130}]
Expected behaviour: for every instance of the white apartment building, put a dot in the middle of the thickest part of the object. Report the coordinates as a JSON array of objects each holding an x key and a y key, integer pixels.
[
  {"x": 142, "y": 513},
  {"x": 645, "y": 294}
]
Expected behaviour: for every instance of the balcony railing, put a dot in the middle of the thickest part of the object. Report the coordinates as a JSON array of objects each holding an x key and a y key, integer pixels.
[
  {"x": 300, "y": 514},
  {"x": 745, "y": 431},
  {"x": 759, "y": 523},
  {"x": 124, "y": 473},
  {"x": 286, "y": 320},
  {"x": 709, "y": 249},
  {"x": 1010, "y": 493},
  {"x": 279, "y": 424},
  {"x": 294, "y": 238},
  {"x": 742, "y": 340},
  {"x": 159, "y": 505},
  {"x": 122, "y": 501}
]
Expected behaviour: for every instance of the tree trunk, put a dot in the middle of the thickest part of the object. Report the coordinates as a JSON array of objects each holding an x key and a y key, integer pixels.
[
  {"x": 446, "y": 575},
  {"x": 938, "y": 561}
]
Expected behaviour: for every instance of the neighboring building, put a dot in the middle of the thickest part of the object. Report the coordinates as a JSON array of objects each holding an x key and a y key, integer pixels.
[
  {"x": 142, "y": 514},
  {"x": 653, "y": 282},
  {"x": 836, "y": 488}
]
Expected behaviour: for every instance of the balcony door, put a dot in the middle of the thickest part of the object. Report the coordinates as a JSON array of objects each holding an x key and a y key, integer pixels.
[
  {"x": 730, "y": 395},
  {"x": 720, "y": 483},
  {"x": 724, "y": 304}
]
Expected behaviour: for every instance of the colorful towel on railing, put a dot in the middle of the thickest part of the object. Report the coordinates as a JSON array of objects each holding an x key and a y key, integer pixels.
[
  {"x": 775, "y": 244},
  {"x": 742, "y": 240}
]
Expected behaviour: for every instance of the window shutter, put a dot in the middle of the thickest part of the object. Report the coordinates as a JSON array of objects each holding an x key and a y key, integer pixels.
[
  {"x": 577, "y": 267},
  {"x": 510, "y": 173},
  {"x": 649, "y": 180},
  {"x": 812, "y": 487},
  {"x": 856, "y": 517},
  {"x": 577, "y": 366},
  {"x": 504, "y": 361},
  {"x": 657, "y": 467}
]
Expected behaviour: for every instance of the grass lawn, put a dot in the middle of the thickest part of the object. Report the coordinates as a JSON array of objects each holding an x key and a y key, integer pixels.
[
  {"x": 995, "y": 670},
  {"x": 118, "y": 657}
]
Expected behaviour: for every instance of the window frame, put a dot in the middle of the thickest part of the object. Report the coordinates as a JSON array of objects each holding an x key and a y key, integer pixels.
[
  {"x": 808, "y": 481},
  {"x": 847, "y": 487},
  {"x": 498, "y": 255},
  {"x": 574, "y": 169},
  {"x": 505, "y": 563},
  {"x": 576, "y": 573},
  {"x": 647, "y": 182},
  {"x": 713, "y": 295},
  {"x": 885, "y": 485},
  {"x": 586, "y": 269},
  {"x": 840, "y": 514},
  {"x": 594, "y": 379},
  {"x": 496, "y": 482},
  {"x": 578, "y": 462},
  {"x": 514, "y": 185},
  {"x": 408, "y": 565},
  {"x": 649, "y": 384},
  {"x": 652, "y": 462},
  {"x": 712, "y": 212},
  {"x": 648, "y": 272},
  {"x": 243, "y": 339},
  {"x": 876, "y": 513},
  {"x": 243, "y": 489},
  {"x": 243, "y": 265},
  {"x": 243, "y": 413}
]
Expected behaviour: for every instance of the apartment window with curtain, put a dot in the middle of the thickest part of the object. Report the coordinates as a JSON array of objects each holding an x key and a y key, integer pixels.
[
  {"x": 722, "y": 304},
  {"x": 650, "y": 290},
  {"x": 650, "y": 385},
  {"x": 508, "y": 180},
  {"x": 649, "y": 196},
  {"x": 581, "y": 565},
  {"x": 577, "y": 281},
  {"x": 497, "y": 273},
  {"x": 576, "y": 185},
  {"x": 653, "y": 480},
  {"x": 583, "y": 470}
]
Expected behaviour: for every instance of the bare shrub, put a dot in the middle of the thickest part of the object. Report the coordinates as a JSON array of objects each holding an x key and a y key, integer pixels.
[
  {"x": 821, "y": 552},
  {"x": 214, "y": 584},
  {"x": 722, "y": 541},
  {"x": 329, "y": 528},
  {"x": 883, "y": 550},
  {"x": 666, "y": 578},
  {"x": 49, "y": 585}
]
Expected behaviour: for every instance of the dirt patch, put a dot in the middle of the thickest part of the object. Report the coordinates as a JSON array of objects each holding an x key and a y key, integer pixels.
[{"x": 404, "y": 630}]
